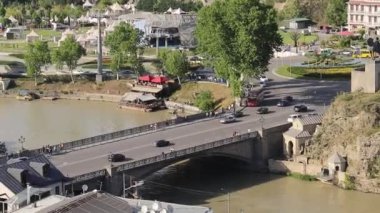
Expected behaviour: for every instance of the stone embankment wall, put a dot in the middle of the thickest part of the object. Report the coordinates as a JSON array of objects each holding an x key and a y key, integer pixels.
[
  {"x": 92, "y": 97},
  {"x": 174, "y": 105},
  {"x": 282, "y": 166}
]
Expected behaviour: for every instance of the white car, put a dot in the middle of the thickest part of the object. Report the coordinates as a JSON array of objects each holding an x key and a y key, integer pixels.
[
  {"x": 263, "y": 78},
  {"x": 263, "y": 84},
  {"x": 292, "y": 117},
  {"x": 227, "y": 119}
]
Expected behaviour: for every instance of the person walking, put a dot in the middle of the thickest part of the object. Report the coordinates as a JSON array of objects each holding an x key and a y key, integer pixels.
[
  {"x": 376, "y": 47},
  {"x": 370, "y": 46}
]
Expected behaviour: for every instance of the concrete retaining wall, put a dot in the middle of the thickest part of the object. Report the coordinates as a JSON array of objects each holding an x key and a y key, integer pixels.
[
  {"x": 92, "y": 97},
  {"x": 174, "y": 105},
  {"x": 280, "y": 166}
]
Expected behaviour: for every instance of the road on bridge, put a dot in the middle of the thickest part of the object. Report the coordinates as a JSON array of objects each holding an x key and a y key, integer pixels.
[{"x": 315, "y": 94}]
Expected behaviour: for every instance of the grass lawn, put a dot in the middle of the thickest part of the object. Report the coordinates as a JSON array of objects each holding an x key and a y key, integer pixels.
[
  {"x": 306, "y": 39},
  {"x": 337, "y": 73},
  {"x": 222, "y": 94}
]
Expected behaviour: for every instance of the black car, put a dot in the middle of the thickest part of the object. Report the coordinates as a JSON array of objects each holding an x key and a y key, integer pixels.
[
  {"x": 239, "y": 114},
  {"x": 288, "y": 98},
  {"x": 116, "y": 157},
  {"x": 282, "y": 103},
  {"x": 262, "y": 110},
  {"x": 162, "y": 143},
  {"x": 300, "y": 108}
]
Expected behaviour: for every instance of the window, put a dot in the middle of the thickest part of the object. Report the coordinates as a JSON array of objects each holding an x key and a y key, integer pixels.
[
  {"x": 375, "y": 19},
  {"x": 369, "y": 19},
  {"x": 369, "y": 8},
  {"x": 351, "y": 17},
  {"x": 362, "y": 8},
  {"x": 352, "y": 7},
  {"x": 375, "y": 9},
  {"x": 361, "y": 18},
  {"x": 57, "y": 190}
]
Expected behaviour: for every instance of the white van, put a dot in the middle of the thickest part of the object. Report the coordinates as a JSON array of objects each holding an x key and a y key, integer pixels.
[{"x": 292, "y": 117}]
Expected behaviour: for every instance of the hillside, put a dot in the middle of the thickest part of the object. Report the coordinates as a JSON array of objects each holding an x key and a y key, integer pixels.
[{"x": 351, "y": 127}]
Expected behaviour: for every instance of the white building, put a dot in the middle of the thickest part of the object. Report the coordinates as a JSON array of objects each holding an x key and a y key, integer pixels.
[{"x": 363, "y": 14}]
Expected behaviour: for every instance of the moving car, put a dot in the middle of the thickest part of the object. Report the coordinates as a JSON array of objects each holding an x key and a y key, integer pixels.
[
  {"x": 228, "y": 119},
  {"x": 162, "y": 143},
  {"x": 288, "y": 98},
  {"x": 263, "y": 84},
  {"x": 300, "y": 108},
  {"x": 116, "y": 157},
  {"x": 293, "y": 117},
  {"x": 262, "y": 110},
  {"x": 263, "y": 78},
  {"x": 283, "y": 103},
  {"x": 238, "y": 114}
]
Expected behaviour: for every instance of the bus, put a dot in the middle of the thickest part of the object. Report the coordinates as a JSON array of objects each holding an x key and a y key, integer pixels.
[{"x": 255, "y": 97}]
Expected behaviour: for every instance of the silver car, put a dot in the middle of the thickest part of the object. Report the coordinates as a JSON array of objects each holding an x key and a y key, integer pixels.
[{"x": 228, "y": 119}]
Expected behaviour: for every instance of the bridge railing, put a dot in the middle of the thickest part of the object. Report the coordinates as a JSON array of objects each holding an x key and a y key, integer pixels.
[
  {"x": 122, "y": 133},
  {"x": 182, "y": 152}
]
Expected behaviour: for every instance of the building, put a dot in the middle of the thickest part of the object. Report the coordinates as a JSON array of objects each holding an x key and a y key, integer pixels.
[
  {"x": 336, "y": 163},
  {"x": 301, "y": 131},
  {"x": 363, "y": 14},
  {"x": 100, "y": 202},
  {"x": 299, "y": 23},
  {"x": 366, "y": 79},
  {"x": 23, "y": 180}
]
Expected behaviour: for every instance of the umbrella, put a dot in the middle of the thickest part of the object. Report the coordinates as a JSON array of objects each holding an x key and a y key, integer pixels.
[
  {"x": 159, "y": 79},
  {"x": 146, "y": 78}
]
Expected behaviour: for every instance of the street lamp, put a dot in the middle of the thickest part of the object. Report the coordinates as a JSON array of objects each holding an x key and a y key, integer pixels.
[
  {"x": 99, "y": 16},
  {"x": 21, "y": 140}
]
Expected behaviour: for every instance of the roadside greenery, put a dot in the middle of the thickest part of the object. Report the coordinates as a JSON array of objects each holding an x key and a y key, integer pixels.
[
  {"x": 327, "y": 72},
  {"x": 175, "y": 63},
  {"x": 205, "y": 101},
  {"x": 336, "y": 12},
  {"x": 164, "y": 5},
  {"x": 238, "y": 38},
  {"x": 301, "y": 176},
  {"x": 349, "y": 182},
  {"x": 304, "y": 39}
]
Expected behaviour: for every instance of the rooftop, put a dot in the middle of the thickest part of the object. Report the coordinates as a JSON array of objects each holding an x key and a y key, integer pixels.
[{"x": 311, "y": 119}]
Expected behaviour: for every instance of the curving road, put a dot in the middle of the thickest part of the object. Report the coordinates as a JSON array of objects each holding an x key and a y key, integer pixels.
[{"x": 316, "y": 94}]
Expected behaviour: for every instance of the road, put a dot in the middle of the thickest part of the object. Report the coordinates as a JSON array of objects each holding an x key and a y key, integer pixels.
[{"x": 316, "y": 94}]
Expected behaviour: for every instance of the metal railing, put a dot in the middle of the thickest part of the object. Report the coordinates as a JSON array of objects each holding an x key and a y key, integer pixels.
[{"x": 67, "y": 146}]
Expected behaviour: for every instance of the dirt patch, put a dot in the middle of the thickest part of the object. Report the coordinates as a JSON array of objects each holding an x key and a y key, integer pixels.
[{"x": 187, "y": 93}]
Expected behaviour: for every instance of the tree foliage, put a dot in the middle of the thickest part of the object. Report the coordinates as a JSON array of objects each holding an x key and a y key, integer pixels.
[
  {"x": 68, "y": 53},
  {"x": 175, "y": 63},
  {"x": 292, "y": 9},
  {"x": 123, "y": 43},
  {"x": 205, "y": 101},
  {"x": 37, "y": 55},
  {"x": 238, "y": 37},
  {"x": 336, "y": 12},
  {"x": 295, "y": 36}
]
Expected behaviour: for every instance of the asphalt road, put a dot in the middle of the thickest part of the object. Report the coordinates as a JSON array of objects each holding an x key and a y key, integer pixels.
[{"x": 315, "y": 94}]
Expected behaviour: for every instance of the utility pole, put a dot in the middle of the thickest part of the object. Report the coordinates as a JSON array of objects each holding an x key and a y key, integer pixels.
[
  {"x": 99, "y": 77},
  {"x": 21, "y": 140}
]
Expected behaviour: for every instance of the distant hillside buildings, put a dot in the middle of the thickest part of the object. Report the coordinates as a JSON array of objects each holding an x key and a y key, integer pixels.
[{"x": 363, "y": 14}]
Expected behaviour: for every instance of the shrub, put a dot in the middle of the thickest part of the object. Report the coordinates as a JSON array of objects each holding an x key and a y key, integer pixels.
[
  {"x": 205, "y": 101},
  {"x": 301, "y": 176},
  {"x": 349, "y": 182}
]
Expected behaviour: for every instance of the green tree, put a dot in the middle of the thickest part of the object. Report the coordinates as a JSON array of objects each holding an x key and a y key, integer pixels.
[
  {"x": 292, "y": 9},
  {"x": 295, "y": 36},
  {"x": 175, "y": 63},
  {"x": 238, "y": 38},
  {"x": 123, "y": 43},
  {"x": 205, "y": 101},
  {"x": 37, "y": 55},
  {"x": 68, "y": 53},
  {"x": 336, "y": 12}
]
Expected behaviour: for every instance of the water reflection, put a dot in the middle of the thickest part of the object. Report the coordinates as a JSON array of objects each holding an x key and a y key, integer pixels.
[
  {"x": 199, "y": 182},
  {"x": 52, "y": 122}
]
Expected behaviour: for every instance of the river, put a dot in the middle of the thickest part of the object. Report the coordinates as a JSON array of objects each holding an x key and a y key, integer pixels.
[
  {"x": 204, "y": 182},
  {"x": 43, "y": 122}
]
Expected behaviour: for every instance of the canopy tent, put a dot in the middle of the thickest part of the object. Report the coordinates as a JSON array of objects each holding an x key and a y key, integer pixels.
[
  {"x": 116, "y": 7},
  {"x": 87, "y": 4},
  {"x": 146, "y": 78},
  {"x": 178, "y": 11},
  {"x": 170, "y": 10},
  {"x": 32, "y": 36},
  {"x": 159, "y": 79},
  {"x": 346, "y": 33}
]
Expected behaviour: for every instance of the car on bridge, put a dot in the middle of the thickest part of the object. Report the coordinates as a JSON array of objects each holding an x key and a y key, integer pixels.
[
  {"x": 300, "y": 108},
  {"x": 228, "y": 119},
  {"x": 162, "y": 143},
  {"x": 262, "y": 110},
  {"x": 288, "y": 98},
  {"x": 292, "y": 117},
  {"x": 283, "y": 103},
  {"x": 116, "y": 157}
]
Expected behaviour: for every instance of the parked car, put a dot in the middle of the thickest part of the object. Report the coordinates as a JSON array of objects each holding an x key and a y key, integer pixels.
[
  {"x": 292, "y": 117},
  {"x": 288, "y": 98},
  {"x": 362, "y": 54},
  {"x": 262, "y": 110},
  {"x": 300, "y": 108},
  {"x": 263, "y": 84},
  {"x": 228, "y": 119},
  {"x": 283, "y": 103},
  {"x": 263, "y": 78},
  {"x": 162, "y": 143},
  {"x": 116, "y": 157}
]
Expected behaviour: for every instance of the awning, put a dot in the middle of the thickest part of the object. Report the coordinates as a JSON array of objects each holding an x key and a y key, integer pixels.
[
  {"x": 146, "y": 89},
  {"x": 159, "y": 79},
  {"x": 146, "y": 78}
]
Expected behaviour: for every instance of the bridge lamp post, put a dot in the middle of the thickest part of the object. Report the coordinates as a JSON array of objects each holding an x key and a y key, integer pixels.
[{"x": 21, "y": 140}]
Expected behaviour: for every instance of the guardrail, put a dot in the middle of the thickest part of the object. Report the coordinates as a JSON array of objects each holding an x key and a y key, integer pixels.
[
  {"x": 67, "y": 146},
  {"x": 182, "y": 152}
]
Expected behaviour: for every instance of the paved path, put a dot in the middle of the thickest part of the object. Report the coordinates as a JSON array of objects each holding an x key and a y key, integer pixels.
[{"x": 316, "y": 94}]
